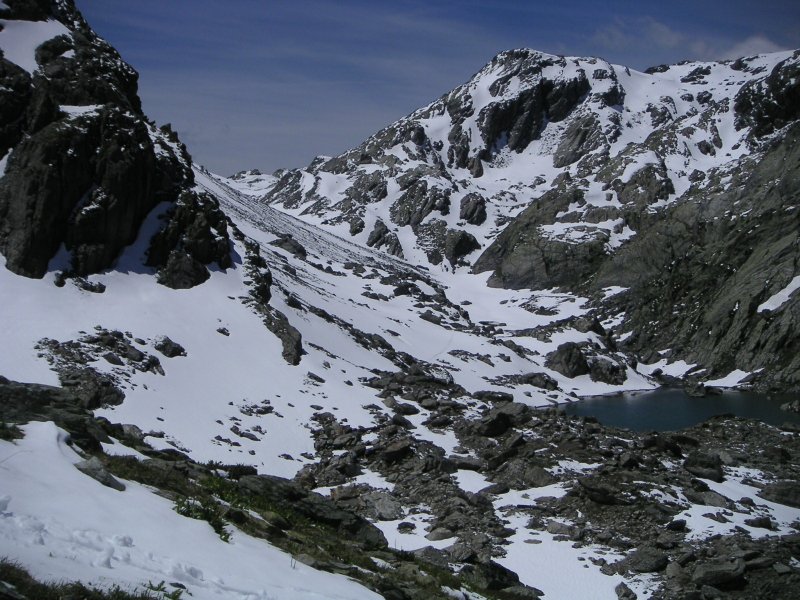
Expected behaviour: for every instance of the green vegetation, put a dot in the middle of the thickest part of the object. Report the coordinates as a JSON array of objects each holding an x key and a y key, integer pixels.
[
  {"x": 204, "y": 509},
  {"x": 10, "y": 432}
]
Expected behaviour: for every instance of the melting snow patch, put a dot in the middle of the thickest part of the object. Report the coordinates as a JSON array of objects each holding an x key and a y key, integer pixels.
[
  {"x": 775, "y": 301},
  {"x": 730, "y": 380},
  {"x": 77, "y": 111},
  {"x": 19, "y": 40},
  {"x": 673, "y": 369},
  {"x": 613, "y": 290},
  {"x": 470, "y": 481}
]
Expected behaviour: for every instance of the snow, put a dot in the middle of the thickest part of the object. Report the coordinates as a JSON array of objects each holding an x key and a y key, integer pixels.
[
  {"x": 63, "y": 525},
  {"x": 414, "y": 539},
  {"x": 19, "y": 40},
  {"x": 554, "y": 567},
  {"x": 116, "y": 448},
  {"x": 676, "y": 368},
  {"x": 701, "y": 526},
  {"x": 471, "y": 481},
  {"x": 730, "y": 380},
  {"x": 77, "y": 111},
  {"x": 780, "y": 298}
]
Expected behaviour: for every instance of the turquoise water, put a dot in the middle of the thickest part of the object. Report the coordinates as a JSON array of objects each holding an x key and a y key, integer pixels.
[{"x": 668, "y": 409}]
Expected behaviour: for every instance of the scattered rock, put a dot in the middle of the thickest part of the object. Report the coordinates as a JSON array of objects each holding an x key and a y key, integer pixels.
[
  {"x": 95, "y": 469},
  {"x": 169, "y": 348},
  {"x": 718, "y": 573}
]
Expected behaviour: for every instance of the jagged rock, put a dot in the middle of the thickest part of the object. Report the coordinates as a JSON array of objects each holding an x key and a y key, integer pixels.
[
  {"x": 704, "y": 465},
  {"x": 718, "y": 573},
  {"x": 169, "y": 348},
  {"x": 494, "y": 425},
  {"x": 490, "y": 576},
  {"x": 540, "y": 380},
  {"x": 647, "y": 560},
  {"x": 493, "y": 396},
  {"x": 397, "y": 450},
  {"x": 607, "y": 371},
  {"x": 194, "y": 234},
  {"x": 601, "y": 491},
  {"x": 291, "y": 339},
  {"x": 95, "y": 469},
  {"x": 291, "y": 245},
  {"x": 782, "y": 492},
  {"x": 182, "y": 271},
  {"x": 88, "y": 179},
  {"x": 772, "y": 104},
  {"x": 521, "y": 257},
  {"x": 382, "y": 506},
  {"x": 381, "y": 237},
  {"x": 568, "y": 359},
  {"x": 623, "y": 592},
  {"x": 459, "y": 243},
  {"x": 473, "y": 209},
  {"x": 581, "y": 137}
]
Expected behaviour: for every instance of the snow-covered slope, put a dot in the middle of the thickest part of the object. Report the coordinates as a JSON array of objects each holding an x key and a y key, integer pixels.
[
  {"x": 333, "y": 335},
  {"x": 573, "y": 173},
  {"x": 90, "y": 532}
]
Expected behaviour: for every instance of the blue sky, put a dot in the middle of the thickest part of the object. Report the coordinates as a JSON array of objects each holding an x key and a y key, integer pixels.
[{"x": 273, "y": 83}]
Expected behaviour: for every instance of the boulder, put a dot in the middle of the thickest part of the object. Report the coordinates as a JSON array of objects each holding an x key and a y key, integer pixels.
[
  {"x": 718, "y": 573},
  {"x": 647, "y": 559},
  {"x": 473, "y": 209},
  {"x": 95, "y": 469},
  {"x": 704, "y": 465},
  {"x": 289, "y": 244},
  {"x": 169, "y": 348},
  {"x": 397, "y": 450},
  {"x": 568, "y": 359},
  {"x": 782, "y": 492}
]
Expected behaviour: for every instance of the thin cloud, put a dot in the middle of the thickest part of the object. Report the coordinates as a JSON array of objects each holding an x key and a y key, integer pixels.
[
  {"x": 755, "y": 44},
  {"x": 630, "y": 40}
]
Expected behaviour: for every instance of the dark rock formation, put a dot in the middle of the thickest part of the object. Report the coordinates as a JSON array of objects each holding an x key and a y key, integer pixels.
[{"x": 85, "y": 167}]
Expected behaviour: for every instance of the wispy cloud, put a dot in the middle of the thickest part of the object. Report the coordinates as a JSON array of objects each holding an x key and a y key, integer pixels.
[{"x": 647, "y": 37}]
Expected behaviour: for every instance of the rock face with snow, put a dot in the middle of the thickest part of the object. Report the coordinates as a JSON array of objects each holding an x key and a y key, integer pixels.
[
  {"x": 678, "y": 184},
  {"x": 82, "y": 165}
]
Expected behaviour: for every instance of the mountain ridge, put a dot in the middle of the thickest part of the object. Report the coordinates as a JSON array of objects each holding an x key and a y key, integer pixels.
[{"x": 468, "y": 182}]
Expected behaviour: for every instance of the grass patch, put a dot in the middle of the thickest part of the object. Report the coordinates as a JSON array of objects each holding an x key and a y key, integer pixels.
[
  {"x": 10, "y": 432},
  {"x": 204, "y": 509}
]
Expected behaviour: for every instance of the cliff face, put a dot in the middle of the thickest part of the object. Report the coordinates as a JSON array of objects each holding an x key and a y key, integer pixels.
[{"x": 82, "y": 164}]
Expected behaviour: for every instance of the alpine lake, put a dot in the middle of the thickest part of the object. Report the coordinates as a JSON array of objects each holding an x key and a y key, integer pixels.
[{"x": 670, "y": 409}]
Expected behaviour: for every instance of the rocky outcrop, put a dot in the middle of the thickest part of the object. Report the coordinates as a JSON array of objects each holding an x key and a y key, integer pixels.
[
  {"x": 194, "y": 234},
  {"x": 84, "y": 165},
  {"x": 523, "y": 256},
  {"x": 770, "y": 104}
]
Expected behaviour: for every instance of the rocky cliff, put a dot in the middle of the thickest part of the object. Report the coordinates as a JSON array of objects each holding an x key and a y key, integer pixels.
[{"x": 82, "y": 165}]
